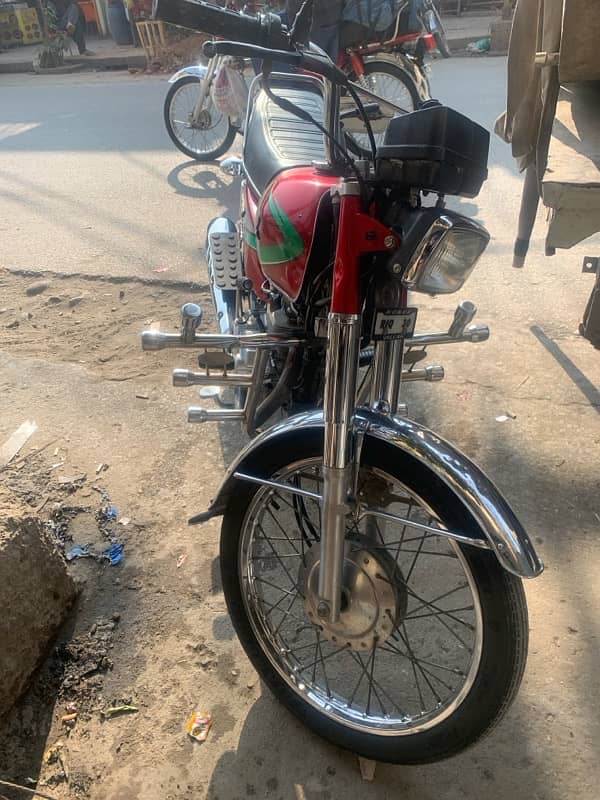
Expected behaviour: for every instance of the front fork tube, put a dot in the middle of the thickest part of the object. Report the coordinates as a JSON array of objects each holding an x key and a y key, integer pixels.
[
  {"x": 387, "y": 376},
  {"x": 205, "y": 85},
  {"x": 340, "y": 398}
]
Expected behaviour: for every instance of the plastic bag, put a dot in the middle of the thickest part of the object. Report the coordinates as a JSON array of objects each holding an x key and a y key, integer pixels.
[{"x": 229, "y": 92}]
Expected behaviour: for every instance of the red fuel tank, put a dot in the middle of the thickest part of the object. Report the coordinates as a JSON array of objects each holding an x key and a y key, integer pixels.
[{"x": 287, "y": 218}]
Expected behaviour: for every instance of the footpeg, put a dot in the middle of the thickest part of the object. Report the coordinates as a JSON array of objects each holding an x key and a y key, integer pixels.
[
  {"x": 186, "y": 377},
  {"x": 214, "y": 414},
  {"x": 459, "y": 331},
  {"x": 191, "y": 317},
  {"x": 226, "y": 259},
  {"x": 431, "y": 374},
  {"x": 463, "y": 315}
]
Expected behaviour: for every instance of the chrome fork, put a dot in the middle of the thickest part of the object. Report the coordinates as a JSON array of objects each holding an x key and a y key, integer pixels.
[
  {"x": 341, "y": 373},
  {"x": 213, "y": 64}
]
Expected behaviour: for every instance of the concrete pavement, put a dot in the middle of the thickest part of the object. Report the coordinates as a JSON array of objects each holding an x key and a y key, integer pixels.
[{"x": 105, "y": 55}]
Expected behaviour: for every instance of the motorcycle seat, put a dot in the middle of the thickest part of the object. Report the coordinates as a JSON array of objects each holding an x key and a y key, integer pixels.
[{"x": 275, "y": 139}]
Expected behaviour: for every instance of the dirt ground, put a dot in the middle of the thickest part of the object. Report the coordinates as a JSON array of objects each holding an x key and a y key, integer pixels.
[{"x": 152, "y": 632}]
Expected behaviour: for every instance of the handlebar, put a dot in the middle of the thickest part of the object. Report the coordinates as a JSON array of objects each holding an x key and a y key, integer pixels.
[
  {"x": 309, "y": 61},
  {"x": 261, "y": 37},
  {"x": 264, "y": 30},
  {"x": 243, "y": 50}
]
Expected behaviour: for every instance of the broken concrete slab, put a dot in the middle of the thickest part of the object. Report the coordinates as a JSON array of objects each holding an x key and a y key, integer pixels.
[{"x": 36, "y": 593}]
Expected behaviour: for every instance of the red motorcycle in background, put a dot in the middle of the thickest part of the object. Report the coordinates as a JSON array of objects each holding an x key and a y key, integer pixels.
[
  {"x": 392, "y": 66},
  {"x": 371, "y": 570}
]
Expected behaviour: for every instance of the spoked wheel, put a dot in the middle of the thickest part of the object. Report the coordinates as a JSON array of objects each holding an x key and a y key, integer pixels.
[
  {"x": 205, "y": 140},
  {"x": 431, "y": 642},
  {"x": 392, "y": 83}
]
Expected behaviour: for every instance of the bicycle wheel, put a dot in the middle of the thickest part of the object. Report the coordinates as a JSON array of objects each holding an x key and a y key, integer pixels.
[{"x": 210, "y": 137}]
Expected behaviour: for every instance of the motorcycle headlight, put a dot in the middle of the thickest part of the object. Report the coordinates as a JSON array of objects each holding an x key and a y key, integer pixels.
[{"x": 445, "y": 249}]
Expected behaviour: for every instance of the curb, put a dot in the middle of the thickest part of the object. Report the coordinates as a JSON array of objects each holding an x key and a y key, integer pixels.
[
  {"x": 457, "y": 45},
  {"x": 66, "y": 69},
  {"x": 109, "y": 63}
]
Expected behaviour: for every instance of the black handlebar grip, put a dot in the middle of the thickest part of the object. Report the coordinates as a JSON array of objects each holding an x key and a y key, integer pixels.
[
  {"x": 265, "y": 30},
  {"x": 243, "y": 50}
]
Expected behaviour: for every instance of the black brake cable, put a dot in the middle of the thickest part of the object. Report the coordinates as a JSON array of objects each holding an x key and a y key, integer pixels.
[
  {"x": 365, "y": 118},
  {"x": 292, "y": 108}
]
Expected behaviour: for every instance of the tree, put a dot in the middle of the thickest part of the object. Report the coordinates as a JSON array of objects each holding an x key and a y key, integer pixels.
[{"x": 51, "y": 52}]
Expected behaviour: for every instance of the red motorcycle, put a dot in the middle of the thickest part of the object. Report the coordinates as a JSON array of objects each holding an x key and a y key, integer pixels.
[
  {"x": 371, "y": 570},
  {"x": 393, "y": 69}
]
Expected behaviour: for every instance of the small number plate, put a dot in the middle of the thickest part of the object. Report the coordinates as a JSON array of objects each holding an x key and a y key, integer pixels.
[{"x": 394, "y": 323}]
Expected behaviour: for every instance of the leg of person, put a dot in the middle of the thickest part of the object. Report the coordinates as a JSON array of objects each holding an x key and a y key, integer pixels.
[{"x": 78, "y": 35}]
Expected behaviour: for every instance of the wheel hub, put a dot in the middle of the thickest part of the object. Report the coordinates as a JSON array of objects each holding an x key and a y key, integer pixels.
[
  {"x": 202, "y": 123},
  {"x": 373, "y": 601}
]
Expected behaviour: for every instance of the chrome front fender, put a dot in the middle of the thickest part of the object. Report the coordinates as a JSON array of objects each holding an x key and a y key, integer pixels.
[
  {"x": 503, "y": 531},
  {"x": 196, "y": 70}
]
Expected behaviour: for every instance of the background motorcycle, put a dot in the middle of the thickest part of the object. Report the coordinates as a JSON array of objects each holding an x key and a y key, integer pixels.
[
  {"x": 393, "y": 69},
  {"x": 371, "y": 571}
]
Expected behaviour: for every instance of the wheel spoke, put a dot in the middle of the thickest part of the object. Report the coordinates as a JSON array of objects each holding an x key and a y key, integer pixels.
[
  {"x": 449, "y": 612},
  {"x": 281, "y": 528},
  {"x": 389, "y": 647},
  {"x": 443, "y": 622},
  {"x": 416, "y": 666},
  {"x": 287, "y": 613},
  {"x": 323, "y": 658},
  {"x": 322, "y": 661},
  {"x": 414, "y": 561},
  {"x": 403, "y": 532},
  {"x": 439, "y": 611},
  {"x": 357, "y": 658},
  {"x": 275, "y": 586}
]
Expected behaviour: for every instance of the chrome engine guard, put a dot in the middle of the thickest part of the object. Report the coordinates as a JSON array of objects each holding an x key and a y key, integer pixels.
[{"x": 504, "y": 534}]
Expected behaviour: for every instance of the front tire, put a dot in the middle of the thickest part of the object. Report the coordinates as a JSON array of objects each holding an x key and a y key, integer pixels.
[
  {"x": 493, "y": 681},
  {"x": 205, "y": 143}
]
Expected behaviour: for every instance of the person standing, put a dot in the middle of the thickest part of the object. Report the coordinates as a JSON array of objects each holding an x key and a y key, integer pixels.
[{"x": 72, "y": 22}]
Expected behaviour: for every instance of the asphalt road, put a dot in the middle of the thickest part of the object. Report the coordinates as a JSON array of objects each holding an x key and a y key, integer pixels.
[{"x": 91, "y": 183}]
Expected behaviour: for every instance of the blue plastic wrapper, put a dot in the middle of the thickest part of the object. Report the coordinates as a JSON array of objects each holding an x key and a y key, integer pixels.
[
  {"x": 78, "y": 552},
  {"x": 111, "y": 512},
  {"x": 114, "y": 553}
]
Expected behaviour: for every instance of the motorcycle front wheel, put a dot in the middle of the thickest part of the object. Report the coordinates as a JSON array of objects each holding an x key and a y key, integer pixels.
[
  {"x": 206, "y": 140},
  {"x": 431, "y": 643}
]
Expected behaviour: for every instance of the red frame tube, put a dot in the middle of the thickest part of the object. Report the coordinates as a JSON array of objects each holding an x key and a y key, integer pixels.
[{"x": 358, "y": 234}]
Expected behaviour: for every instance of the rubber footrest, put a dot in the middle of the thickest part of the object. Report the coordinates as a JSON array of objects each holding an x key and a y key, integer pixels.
[{"x": 227, "y": 260}]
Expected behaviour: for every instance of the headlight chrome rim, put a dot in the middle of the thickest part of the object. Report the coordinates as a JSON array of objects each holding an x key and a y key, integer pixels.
[{"x": 419, "y": 266}]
